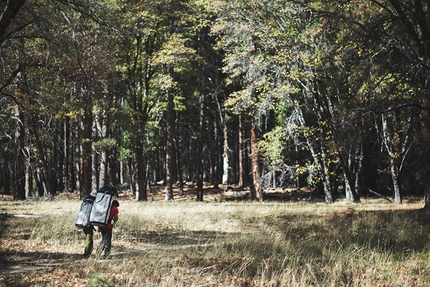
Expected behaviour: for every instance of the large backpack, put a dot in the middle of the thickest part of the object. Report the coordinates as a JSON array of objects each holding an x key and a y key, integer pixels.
[
  {"x": 83, "y": 219},
  {"x": 100, "y": 212}
]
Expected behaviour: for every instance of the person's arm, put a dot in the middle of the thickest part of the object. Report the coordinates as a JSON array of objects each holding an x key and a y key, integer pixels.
[{"x": 115, "y": 214}]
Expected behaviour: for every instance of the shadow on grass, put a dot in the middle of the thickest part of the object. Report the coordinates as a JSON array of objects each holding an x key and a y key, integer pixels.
[
  {"x": 173, "y": 237},
  {"x": 398, "y": 232},
  {"x": 19, "y": 261}
]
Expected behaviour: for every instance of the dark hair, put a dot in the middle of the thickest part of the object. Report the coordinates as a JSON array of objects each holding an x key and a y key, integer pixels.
[{"x": 115, "y": 203}]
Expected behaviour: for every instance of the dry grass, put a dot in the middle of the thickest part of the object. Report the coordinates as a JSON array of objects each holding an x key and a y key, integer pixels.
[{"x": 186, "y": 243}]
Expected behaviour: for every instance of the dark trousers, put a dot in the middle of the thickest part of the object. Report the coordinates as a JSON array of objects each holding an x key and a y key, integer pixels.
[{"x": 106, "y": 242}]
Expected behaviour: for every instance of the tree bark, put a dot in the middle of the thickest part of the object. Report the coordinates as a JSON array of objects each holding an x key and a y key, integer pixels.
[
  {"x": 201, "y": 148},
  {"x": 170, "y": 146},
  {"x": 10, "y": 10},
  {"x": 19, "y": 171},
  {"x": 86, "y": 149},
  {"x": 240, "y": 152},
  {"x": 255, "y": 161},
  {"x": 225, "y": 155},
  {"x": 391, "y": 144}
]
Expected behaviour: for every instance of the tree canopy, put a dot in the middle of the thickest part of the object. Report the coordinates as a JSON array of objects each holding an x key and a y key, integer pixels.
[{"x": 329, "y": 95}]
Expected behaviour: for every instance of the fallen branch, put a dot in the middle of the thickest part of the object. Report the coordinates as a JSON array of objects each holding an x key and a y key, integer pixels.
[{"x": 380, "y": 195}]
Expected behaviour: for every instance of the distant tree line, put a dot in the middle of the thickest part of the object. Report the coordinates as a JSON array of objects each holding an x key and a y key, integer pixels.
[{"x": 262, "y": 94}]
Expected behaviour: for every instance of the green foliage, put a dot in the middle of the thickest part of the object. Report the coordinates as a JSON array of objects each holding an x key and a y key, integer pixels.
[
  {"x": 271, "y": 146},
  {"x": 104, "y": 144},
  {"x": 96, "y": 280}
]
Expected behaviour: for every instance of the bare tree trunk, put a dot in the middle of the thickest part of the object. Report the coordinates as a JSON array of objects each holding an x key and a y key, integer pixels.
[
  {"x": 9, "y": 10},
  {"x": 390, "y": 145},
  {"x": 225, "y": 155},
  {"x": 67, "y": 153},
  {"x": 78, "y": 164},
  {"x": 170, "y": 146},
  {"x": 94, "y": 171},
  {"x": 19, "y": 171},
  {"x": 255, "y": 161},
  {"x": 240, "y": 152},
  {"x": 102, "y": 129},
  {"x": 28, "y": 179},
  {"x": 86, "y": 150},
  {"x": 141, "y": 192},
  {"x": 201, "y": 148},
  {"x": 216, "y": 155}
]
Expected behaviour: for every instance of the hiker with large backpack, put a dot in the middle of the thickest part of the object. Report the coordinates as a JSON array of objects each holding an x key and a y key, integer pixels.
[{"x": 97, "y": 211}]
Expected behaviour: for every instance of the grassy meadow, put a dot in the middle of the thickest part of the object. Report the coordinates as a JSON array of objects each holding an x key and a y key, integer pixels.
[{"x": 187, "y": 243}]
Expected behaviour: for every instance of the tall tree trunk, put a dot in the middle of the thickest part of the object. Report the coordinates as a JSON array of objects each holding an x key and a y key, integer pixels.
[
  {"x": 170, "y": 146},
  {"x": 86, "y": 149},
  {"x": 216, "y": 155},
  {"x": 9, "y": 10},
  {"x": 94, "y": 170},
  {"x": 255, "y": 160},
  {"x": 391, "y": 144},
  {"x": 28, "y": 179},
  {"x": 102, "y": 127},
  {"x": 77, "y": 174},
  {"x": 325, "y": 172},
  {"x": 141, "y": 192},
  {"x": 225, "y": 155},
  {"x": 240, "y": 152},
  {"x": 201, "y": 148},
  {"x": 61, "y": 156},
  {"x": 19, "y": 171}
]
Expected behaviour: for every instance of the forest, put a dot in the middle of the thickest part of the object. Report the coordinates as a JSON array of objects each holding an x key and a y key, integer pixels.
[{"x": 256, "y": 94}]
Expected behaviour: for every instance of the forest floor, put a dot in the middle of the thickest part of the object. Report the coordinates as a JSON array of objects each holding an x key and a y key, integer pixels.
[{"x": 232, "y": 192}]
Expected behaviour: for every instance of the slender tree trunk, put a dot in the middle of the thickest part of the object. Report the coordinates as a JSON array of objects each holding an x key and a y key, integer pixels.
[
  {"x": 393, "y": 152},
  {"x": 240, "y": 152},
  {"x": 61, "y": 156},
  {"x": 255, "y": 161},
  {"x": 326, "y": 180},
  {"x": 225, "y": 155},
  {"x": 77, "y": 174},
  {"x": 216, "y": 155},
  {"x": 86, "y": 148},
  {"x": 94, "y": 170},
  {"x": 141, "y": 192},
  {"x": 102, "y": 127},
  {"x": 28, "y": 179},
  {"x": 359, "y": 160},
  {"x": 19, "y": 171},
  {"x": 67, "y": 150},
  {"x": 201, "y": 148},
  {"x": 170, "y": 146}
]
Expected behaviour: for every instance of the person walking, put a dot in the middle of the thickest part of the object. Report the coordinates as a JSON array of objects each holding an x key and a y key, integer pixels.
[{"x": 106, "y": 242}]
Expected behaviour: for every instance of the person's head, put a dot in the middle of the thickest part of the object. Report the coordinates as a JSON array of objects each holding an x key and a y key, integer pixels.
[{"x": 115, "y": 203}]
